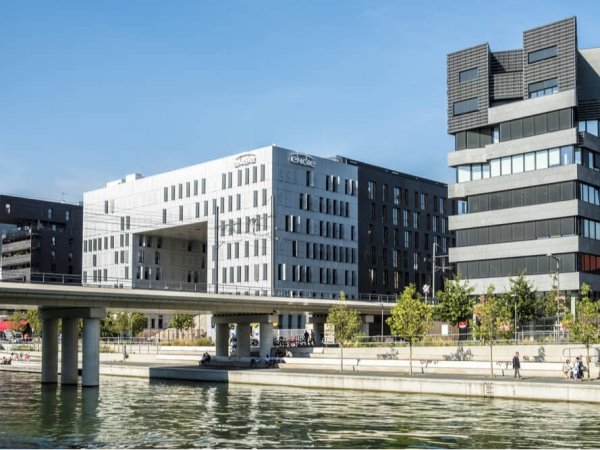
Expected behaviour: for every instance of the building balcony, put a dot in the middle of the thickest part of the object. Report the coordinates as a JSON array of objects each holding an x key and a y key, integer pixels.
[
  {"x": 16, "y": 246},
  {"x": 8, "y": 261}
]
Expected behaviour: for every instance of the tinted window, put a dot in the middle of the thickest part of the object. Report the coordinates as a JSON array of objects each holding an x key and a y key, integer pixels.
[
  {"x": 468, "y": 75},
  {"x": 466, "y": 106},
  {"x": 540, "y": 55}
]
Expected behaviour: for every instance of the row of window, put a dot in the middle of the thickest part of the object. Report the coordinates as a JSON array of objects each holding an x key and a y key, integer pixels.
[
  {"x": 533, "y": 195},
  {"x": 293, "y": 224},
  {"x": 233, "y": 249},
  {"x": 234, "y": 274},
  {"x": 513, "y": 232},
  {"x": 323, "y": 252},
  {"x": 96, "y": 244},
  {"x": 542, "y": 88},
  {"x": 243, "y": 176},
  {"x": 510, "y": 267},
  {"x": 524, "y": 162},
  {"x": 326, "y": 205},
  {"x": 421, "y": 199},
  {"x": 307, "y": 274},
  {"x": 515, "y": 129}
]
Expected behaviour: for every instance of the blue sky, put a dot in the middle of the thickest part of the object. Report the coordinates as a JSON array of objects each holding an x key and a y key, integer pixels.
[{"x": 92, "y": 91}]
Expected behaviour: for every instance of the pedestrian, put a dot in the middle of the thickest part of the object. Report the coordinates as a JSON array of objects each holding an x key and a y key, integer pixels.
[
  {"x": 567, "y": 369},
  {"x": 516, "y": 363},
  {"x": 306, "y": 335},
  {"x": 312, "y": 338},
  {"x": 580, "y": 368}
]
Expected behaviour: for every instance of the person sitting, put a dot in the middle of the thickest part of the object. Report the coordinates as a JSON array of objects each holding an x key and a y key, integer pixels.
[
  {"x": 205, "y": 358},
  {"x": 288, "y": 354},
  {"x": 268, "y": 362},
  {"x": 567, "y": 369}
]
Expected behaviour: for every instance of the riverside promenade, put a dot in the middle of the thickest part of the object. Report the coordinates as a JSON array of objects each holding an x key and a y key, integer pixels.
[{"x": 540, "y": 388}]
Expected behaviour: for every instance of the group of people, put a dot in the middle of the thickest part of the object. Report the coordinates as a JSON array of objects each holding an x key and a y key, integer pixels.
[
  {"x": 205, "y": 358},
  {"x": 573, "y": 370},
  {"x": 14, "y": 356}
]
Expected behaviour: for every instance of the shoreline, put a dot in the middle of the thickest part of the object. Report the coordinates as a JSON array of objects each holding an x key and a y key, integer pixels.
[{"x": 529, "y": 388}]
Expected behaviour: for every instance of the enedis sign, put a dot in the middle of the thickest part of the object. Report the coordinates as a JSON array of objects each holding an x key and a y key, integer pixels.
[{"x": 302, "y": 160}]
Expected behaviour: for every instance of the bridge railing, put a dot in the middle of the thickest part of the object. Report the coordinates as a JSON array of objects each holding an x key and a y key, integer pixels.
[{"x": 182, "y": 286}]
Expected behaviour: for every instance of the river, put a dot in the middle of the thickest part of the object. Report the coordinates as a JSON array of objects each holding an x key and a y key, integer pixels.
[{"x": 137, "y": 413}]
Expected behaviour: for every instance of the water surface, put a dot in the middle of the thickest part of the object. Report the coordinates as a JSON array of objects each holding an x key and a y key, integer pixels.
[{"x": 136, "y": 413}]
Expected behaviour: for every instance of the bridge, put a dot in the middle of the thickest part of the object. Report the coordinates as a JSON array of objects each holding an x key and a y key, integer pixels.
[{"x": 69, "y": 303}]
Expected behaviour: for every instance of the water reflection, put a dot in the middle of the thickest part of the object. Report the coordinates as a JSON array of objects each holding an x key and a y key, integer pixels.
[{"x": 140, "y": 414}]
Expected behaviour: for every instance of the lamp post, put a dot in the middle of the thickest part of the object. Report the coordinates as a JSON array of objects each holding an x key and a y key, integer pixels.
[
  {"x": 382, "y": 322},
  {"x": 515, "y": 302},
  {"x": 557, "y": 259}
]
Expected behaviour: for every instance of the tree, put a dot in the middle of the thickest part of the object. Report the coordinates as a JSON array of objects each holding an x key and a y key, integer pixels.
[
  {"x": 122, "y": 323},
  {"x": 346, "y": 323},
  {"x": 182, "y": 322},
  {"x": 410, "y": 318},
  {"x": 33, "y": 317},
  {"x": 455, "y": 301},
  {"x": 584, "y": 326},
  {"x": 523, "y": 292},
  {"x": 492, "y": 321}
]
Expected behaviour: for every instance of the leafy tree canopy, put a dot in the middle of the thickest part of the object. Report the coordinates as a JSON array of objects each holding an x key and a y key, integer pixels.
[
  {"x": 455, "y": 301},
  {"x": 410, "y": 318}
]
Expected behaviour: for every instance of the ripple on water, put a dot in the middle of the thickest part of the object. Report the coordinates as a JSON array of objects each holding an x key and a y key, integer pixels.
[{"x": 136, "y": 413}]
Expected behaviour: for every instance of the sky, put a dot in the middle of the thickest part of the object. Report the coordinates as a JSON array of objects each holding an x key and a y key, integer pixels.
[{"x": 92, "y": 91}]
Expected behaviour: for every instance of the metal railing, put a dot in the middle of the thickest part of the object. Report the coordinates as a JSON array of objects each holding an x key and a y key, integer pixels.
[{"x": 209, "y": 288}]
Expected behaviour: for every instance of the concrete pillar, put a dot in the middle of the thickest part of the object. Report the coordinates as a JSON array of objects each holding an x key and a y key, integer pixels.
[
  {"x": 243, "y": 339},
  {"x": 49, "y": 351},
  {"x": 319, "y": 328},
  {"x": 68, "y": 358},
  {"x": 91, "y": 352},
  {"x": 222, "y": 339},
  {"x": 364, "y": 329},
  {"x": 266, "y": 338}
]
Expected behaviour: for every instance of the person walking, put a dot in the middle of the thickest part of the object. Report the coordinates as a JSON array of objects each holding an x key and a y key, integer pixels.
[{"x": 516, "y": 363}]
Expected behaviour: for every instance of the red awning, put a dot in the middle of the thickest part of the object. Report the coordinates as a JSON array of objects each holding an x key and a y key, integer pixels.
[{"x": 4, "y": 324}]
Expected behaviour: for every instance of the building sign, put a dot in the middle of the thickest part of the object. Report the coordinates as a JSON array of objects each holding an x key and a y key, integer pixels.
[
  {"x": 244, "y": 160},
  {"x": 303, "y": 160}
]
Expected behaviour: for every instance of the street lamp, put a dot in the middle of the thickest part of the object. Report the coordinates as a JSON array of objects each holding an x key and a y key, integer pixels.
[
  {"x": 557, "y": 259},
  {"x": 435, "y": 268},
  {"x": 515, "y": 301},
  {"x": 381, "y": 322}
]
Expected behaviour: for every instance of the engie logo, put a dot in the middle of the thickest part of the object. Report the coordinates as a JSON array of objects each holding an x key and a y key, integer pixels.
[
  {"x": 302, "y": 160},
  {"x": 244, "y": 160}
]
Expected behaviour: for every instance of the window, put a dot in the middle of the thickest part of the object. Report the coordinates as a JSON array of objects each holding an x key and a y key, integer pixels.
[
  {"x": 371, "y": 190},
  {"x": 542, "y": 88},
  {"x": 540, "y": 55},
  {"x": 468, "y": 75},
  {"x": 466, "y": 106}
]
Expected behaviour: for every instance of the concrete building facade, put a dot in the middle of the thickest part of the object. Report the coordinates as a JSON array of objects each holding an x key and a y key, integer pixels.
[
  {"x": 401, "y": 218},
  {"x": 526, "y": 155},
  {"x": 41, "y": 240}
]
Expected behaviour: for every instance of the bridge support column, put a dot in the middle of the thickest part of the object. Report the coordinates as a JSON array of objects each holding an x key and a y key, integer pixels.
[
  {"x": 366, "y": 320},
  {"x": 266, "y": 338},
  {"x": 68, "y": 360},
  {"x": 49, "y": 351},
  {"x": 243, "y": 338},
  {"x": 318, "y": 323},
  {"x": 91, "y": 352},
  {"x": 222, "y": 339}
]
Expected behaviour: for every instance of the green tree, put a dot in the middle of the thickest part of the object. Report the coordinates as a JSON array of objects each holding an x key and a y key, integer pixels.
[
  {"x": 410, "y": 318},
  {"x": 346, "y": 323},
  {"x": 122, "y": 323},
  {"x": 182, "y": 322},
  {"x": 584, "y": 325},
  {"x": 33, "y": 317},
  {"x": 492, "y": 321},
  {"x": 523, "y": 292},
  {"x": 455, "y": 301}
]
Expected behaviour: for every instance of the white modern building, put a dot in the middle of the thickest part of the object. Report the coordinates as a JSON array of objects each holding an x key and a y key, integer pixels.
[{"x": 270, "y": 220}]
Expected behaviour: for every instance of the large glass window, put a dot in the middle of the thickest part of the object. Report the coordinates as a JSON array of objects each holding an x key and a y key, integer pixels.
[
  {"x": 468, "y": 75},
  {"x": 542, "y": 88},
  {"x": 466, "y": 106},
  {"x": 517, "y": 163},
  {"x": 541, "y": 159},
  {"x": 540, "y": 55}
]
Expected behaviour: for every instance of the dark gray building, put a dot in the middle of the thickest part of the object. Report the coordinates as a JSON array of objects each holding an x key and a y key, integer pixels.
[
  {"x": 527, "y": 158},
  {"x": 42, "y": 240},
  {"x": 400, "y": 219}
]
